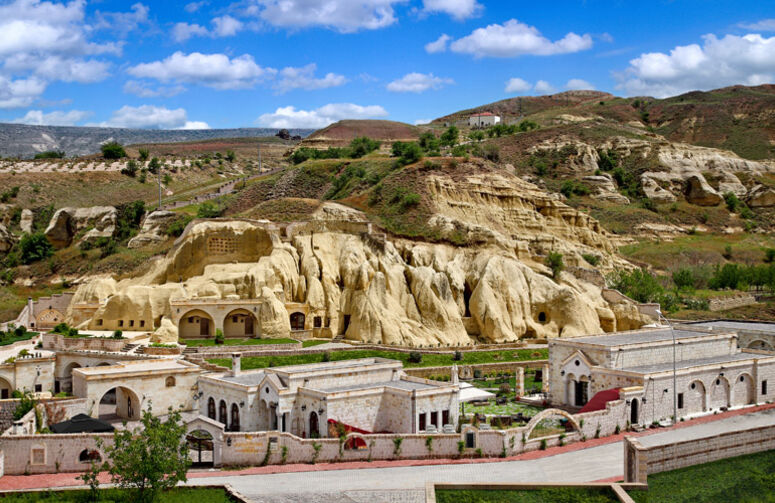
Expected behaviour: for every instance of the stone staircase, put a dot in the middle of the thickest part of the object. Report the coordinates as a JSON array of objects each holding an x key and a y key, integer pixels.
[
  {"x": 128, "y": 348},
  {"x": 190, "y": 351}
]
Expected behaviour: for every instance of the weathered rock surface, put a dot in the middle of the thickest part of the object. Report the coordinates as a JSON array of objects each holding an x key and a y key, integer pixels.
[
  {"x": 67, "y": 222},
  {"x": 761, "y": 197},
  {"x": 730, "y": 183},
  {"x": 7, "y": 239},
  {"x": 604, "y": 189},
  {"x": 654, "y": 191},
  {"x": 26, "y": 221},
  {"x": 698, "y": 191},
  {"x": 153, "y": 229}
]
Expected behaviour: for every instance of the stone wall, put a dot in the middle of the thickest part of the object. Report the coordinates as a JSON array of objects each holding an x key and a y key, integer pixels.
[
  {"x": 642, "y": 461},
  {"x": 724, "y": 303},
  {"x": 465, "y": 370},
  {"x": 60, "y": 342},
  {"x": 49, "y": 453}
]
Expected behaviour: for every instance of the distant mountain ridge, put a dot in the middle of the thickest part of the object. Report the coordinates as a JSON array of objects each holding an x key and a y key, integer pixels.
[{"x": 22, "y": 140}]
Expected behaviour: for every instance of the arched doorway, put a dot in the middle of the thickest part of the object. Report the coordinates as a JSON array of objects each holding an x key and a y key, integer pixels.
[
  {"x": 719, "y": 393},
  {"x": 69, "y": 369},
  {"x": 634, "y": 412},
  {"x": 211, "y": 408},
  {"x": 234, "y": 417},
  {"x": 119, "y": 403},
  {"x": 760, "y": 345},
  {"x": 195, "y": 324},
  {"x": 570, "y": 385},
  {"x": 240, "y": 323},
  {"x": 222, "y": 413},
  {"x": 743, "y": 391},
  {"x": 696, "y": 398},
  {"x": 5, "y": 389},
  {"x": 200, "y": 448},
  {"x": 314, "y": 427},
  {"x": 297, "y": 321}
]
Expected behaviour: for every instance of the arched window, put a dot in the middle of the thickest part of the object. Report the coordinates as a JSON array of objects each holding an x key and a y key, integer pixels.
[
  {"x": 297, "y": 321},
  {"x": 169, "y": 382},
  {"x": 222, "y": 412},
  {"x": 234, "y": 417},
  {"x": 89, "y": 455},
  {"x": 211, "y": 408}
]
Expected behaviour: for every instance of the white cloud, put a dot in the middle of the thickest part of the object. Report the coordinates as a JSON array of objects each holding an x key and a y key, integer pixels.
[
  {"x": 514, "y": 39},
  {"x": 417, "y": 83},
  {"x": 194, "y": 6},
  {"x": 183, "y": 31},
  {"x": 458, "y": 9},
  {"x": 517, "y": 85},
  {"x": 346, "y": 16},
  {"x": 55, "y": 118},
  {"x": 212, "y": 70},
  {"x": 763, "y": 25},
  {"x": 290, "y": 117},
  {"x": 579, "y": 85},
  {"x": 21, "y": 92},
  {"x": 151, "y": 117},
  {"x": 421, "y": 121},
  {"x": 123, "y": 22},
  {"x": 543, "y": 87},
  {"x": 144, "y": 90},
  {"x": 718, "y": 62},
  {"x": 438, "y": 45},
  {"x": 304, "y": 78},
  {"x": 226, "y": 26}
]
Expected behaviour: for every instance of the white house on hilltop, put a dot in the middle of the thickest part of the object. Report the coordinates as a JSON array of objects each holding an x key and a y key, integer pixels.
[{"x": 484, "y": 119}]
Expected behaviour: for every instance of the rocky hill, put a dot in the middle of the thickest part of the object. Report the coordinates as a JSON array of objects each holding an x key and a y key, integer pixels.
[
  {"x": 24, "y": 141},
  {"x": 341, "y": 133}
]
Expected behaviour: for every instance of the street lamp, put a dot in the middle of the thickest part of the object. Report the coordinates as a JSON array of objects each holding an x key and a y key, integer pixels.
[{"x": 675, "y": 392}]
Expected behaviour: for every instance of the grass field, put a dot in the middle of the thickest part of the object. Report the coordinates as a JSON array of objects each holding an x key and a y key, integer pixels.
[
  {"x": 313, "y": 343},
  {"x": 749, "y": 479},
  {"x": 554, "y": 495},
  {"x": 428, "y": 360},
  {"x": 509, "y": 408},
  {"x": 186, "y": 495},
  {"x": 236, "y": 342}
]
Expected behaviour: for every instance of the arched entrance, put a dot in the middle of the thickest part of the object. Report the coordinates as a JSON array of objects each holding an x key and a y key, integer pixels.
[
  {"x": 743, "y": 391},
  {"x": 69, "y": 369},
  {"x": 696, "y": 401},
  {"x": 195, "y": 324},
  {"x": 5, "y": 389},
  {"x": 200, "y": 448},
  {"x": 634, "y": 412},
  {"x": 240, "y": 323},
  {"x": 314, "y": 426},
  {"x": 234, "y": 417},
  {"x": 719, "y": 393},
  {"x": 222, "y": 413},
  {"x": 211, "y": 408},
  {"x": 760, "y": 345},
  {"x": 119, "y": 403},
  {"x": 297, "y": 321}
]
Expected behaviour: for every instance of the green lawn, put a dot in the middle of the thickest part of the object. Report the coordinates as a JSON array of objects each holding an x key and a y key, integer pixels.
[
  {"x": 180, "y": 495},
  {"x": 312, "y": 343},
  {"x": 554, "y": 495},
  {"x": 749, "y": 479},
  {"x": 236, "y": 342},
  {"x": 508, "y": 408},
  {"x": 428, "y": 360},
  {"x": 9, "y": 338},
  {"x": 492, "y": 384}
]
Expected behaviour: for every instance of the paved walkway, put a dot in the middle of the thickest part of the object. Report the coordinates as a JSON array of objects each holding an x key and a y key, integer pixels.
[{"x": 404, "y": 481}]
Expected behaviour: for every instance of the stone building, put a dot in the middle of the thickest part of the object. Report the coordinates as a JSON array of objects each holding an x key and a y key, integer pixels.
[
  {"x": 28, "y": 373},
  {"x": 711, "y": 372},
  {"x": 484, "y": 119},
  {"x": 370, "y": 394},
  {"x": 750, "y": 334}
]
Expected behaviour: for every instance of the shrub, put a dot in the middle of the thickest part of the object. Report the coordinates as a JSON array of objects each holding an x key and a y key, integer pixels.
[
  {"x": 649, "y": 205},
  {"x": 727, "y": 252},
  {"x": 230, "y": 156},
  {"x": 113, "y": 150},
  {"x": 769, "y": 255},
  {"x": 504, "y": 389},
  {"x": 591, "y": 259},
  {"x": 51, "y": 154},
  {"x": 543, "y": 444},
  {"x": 208, "y": 210},
  {"x": 130, "y": 169},
  {"x": 397, "y": 446},
  {"x": 176, "y": 227},
  {"x": 143, "y": 154},
  {"x": 118, "y": 334},
  {"x": 555, "y": 262},
  {"x": 449, "y": 137},
  {"x": 154, "y": 165},
  {"x": 407, "y": 153},
  {"x": 461, "y": 446},
  {"x": 683, "y": 278},
  {"x": 362, "y": 145},
  {"x": 34, "y": 247},
  {"x": 638, "y": 284},
  {"x": 732, "y": 201},
  {"x": 219, "y": 339},
  {"x": 415, "y": 357}
]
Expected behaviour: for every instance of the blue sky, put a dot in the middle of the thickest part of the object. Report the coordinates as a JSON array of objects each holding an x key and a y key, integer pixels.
[{"x": 306, "y": 63}]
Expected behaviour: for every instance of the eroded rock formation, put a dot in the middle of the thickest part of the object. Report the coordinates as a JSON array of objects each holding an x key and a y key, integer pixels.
[{"x": 68, "y": 222}]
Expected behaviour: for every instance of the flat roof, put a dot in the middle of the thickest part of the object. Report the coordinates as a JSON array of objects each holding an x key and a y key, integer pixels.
[
  {"x": 134, "y": 366},
  {"x": 685, "y": 364},
  {"x": 400, "y": 384},
  {"x": 335, "y": 365},
  {"x": 761, "y": 326},
  {"x": 247, "y": 378},
  {"x": 637, "y": 337}
]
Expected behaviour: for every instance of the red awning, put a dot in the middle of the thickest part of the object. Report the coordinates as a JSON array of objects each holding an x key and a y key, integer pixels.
[{"x": 600, "y": 399}]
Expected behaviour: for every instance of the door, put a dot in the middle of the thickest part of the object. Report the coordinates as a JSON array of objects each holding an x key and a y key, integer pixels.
[
  {"x": 204, "y": 326},
  {"x": 581, "y": 393},
  {"x": 634, "y": 411},
  {"x": 314, "y": 429},
  {"x": 248, "y": 325}
]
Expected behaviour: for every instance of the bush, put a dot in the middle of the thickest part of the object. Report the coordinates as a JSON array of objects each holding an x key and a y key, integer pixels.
[
  {"x": 449, "y": 137},
  {"x": 592, "y": 260},
  {"x": 415, "y": 357},
  {"x": 231, "y": 156},
  {"x": 769, "y": 255},
  {"x": 504, "y": 389},
  {"x": 571, "y": 187},
  {"x": 639, "y": 285},
  {"x": 361, "y": 146},
  {"x": 34, "y": 247},
  {"x": 683, "y": 278},
  {"x": 428, "y": 142},
  {"x": 51, "y": 154},
  {"x": 208, "y": 210},
  {"x": 219, "y": 338},
  {"x": 143, "y": 154},
  {"x": 176, "y": 227},
  {"x": 118, "y": 334},
  {"x": 113, "y": 150},
  {"x": 154, "y": 165},
  {"x": 130, "y": 169},
  {"x": 732, "y": 202},
  {"x": 555, "y": 262},
  {"x": 407, "y": 153}
]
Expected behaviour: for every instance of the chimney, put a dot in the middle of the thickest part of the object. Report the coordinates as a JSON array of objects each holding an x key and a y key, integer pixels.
[{"x": 236, "y": 361}]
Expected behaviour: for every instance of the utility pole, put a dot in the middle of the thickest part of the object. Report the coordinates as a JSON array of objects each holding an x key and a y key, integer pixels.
[
  {"x": 259, "y": 156},
  {"x": 159, "y": 187},
  {"x": 675, "y": 391}
]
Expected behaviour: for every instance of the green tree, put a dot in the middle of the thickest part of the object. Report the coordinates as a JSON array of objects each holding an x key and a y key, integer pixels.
[
  {"x": 113, "y": 150},
  {"x": 130, "y": 169},
  {"x": 144, "y": 153},
  {"x": 51, "y": 154},
  {"x": 429, "y": 143},
  {"x": 151, "y": 458},
  {"x": 208, "y": 210},
  {"x": 154, "y": 165},
  {"x": 449, "y": 137},
  {"x": 231, "y": 156},
  {"x": 555, "y": 262},
  {"x": 362, "y": 145},
  {"x": 408, "y": 153},
  {"x": 34, "y": 247}
]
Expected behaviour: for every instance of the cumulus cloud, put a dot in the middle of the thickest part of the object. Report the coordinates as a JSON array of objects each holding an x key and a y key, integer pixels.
[
  {"x": 151, "y": 117},
  {"x": 123, "y": 22},
  {"x": 458, "y": 9},
  {"x": 438, "y": 45},
  {"x": 513, "y": 39},
  {"x": 345, "y": 16},
  {"x": 290, "y": 117},
  {"x": 517, "y": 85},
  {"x": 304, "y": 78},
  {"x": 417, "y": 83},
  {"x": 226, "y": 26},
  {"x": 223, "y": 26},
  {"x": 543, "y": 87},
  {"x": 144, "y": 90},
  {"x": 579, "y": 85},
  {"x": 55, "y": 118},
  {"x": 718, "y": 62},
  {"x": 183, "y": 31},
  {"x": 213, "y": 70},
  {"x": 20, "y": 93},
  {"x": 763, "y": 25},
  {"x": 194, "y": 6}
]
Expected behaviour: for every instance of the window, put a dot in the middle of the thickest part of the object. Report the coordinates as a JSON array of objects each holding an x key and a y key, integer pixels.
[
  {"x": 169, "y": 382},
  {"x": 191, "y": 319},
  {"x": 234, "y": 319},
  {"x": 99, "y": 323},
  {"x": 38, "y": 456},
  {"x": 88, "y": 455},
  {"x": 38, "y": 388},
  {"x": 142, "y": 323},
  {"x": 131, "y": 323},
  {"x": 120, "y": 323},
  {"x": 211, "y": 408},
  {"x": 470, "y": 440},
  {"x": 422, "y": 422},
  {"x": 318, "y": 322},
  {"x": 764, "y": 387},
  {"x": 444, "y": 417},
  {"x": 433, "y": 418},
  {"x": 680, "y": 400}
]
